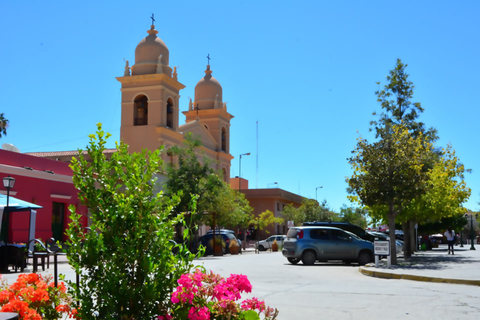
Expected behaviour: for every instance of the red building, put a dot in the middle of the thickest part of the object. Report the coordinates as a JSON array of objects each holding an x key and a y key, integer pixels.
[{"x": 47, "y": 183}]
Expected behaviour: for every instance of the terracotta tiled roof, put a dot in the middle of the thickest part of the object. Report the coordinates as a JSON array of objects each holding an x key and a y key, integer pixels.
[{"x": 64, "y": 153}]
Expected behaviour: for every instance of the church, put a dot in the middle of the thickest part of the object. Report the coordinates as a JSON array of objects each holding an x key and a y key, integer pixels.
[
  {"x": 150, "y": 109},
  {"x": 150, "y": 106}
]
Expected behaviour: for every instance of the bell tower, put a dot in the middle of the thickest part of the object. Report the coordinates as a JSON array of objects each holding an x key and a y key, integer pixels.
[{"x": 150, "y": 97}]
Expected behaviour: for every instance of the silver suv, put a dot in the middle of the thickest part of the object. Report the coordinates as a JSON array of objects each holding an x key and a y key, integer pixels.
[{"x": 310, "y": 244}]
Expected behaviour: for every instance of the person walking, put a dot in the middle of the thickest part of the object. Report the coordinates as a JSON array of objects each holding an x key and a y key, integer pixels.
[{"x": 450, "y": 234}]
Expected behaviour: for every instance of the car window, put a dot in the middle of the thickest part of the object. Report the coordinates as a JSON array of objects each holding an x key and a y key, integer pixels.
[
  {"x": 338, "y": 235},
  {"x": 319, "y": 234},
  {"x": 292, "y": 233},
  {"x": 271, "y": 239},
  {"x": 280, "y": 238}
]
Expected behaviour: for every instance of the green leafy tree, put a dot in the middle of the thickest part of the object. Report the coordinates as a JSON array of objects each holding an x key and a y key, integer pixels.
[
  {"x": 445, "y": 192},
  {"x": 354, "y": 215},
  {"x": 395, "y": 100},
  {"x": 265, "y": 219},
  {"x": 309, "y": 210},
  {"x": 291, "y": 213},
  {"x": 312, "y": 211},
  {"x": 389, "y": 173},
  {"x": 230, "y": 206},
  {"x": 126, "y": 266},
  {"x": 193, "y": 177},
  {"x": 3, "y": 125}
]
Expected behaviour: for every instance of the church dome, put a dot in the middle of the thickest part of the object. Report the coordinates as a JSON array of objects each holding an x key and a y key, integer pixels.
[
  {"x": 151, "y": 53},
  {"x": 208, "y": 92}
]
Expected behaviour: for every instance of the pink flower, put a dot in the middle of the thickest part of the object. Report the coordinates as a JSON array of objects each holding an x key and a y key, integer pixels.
[
  {"x": 253, "y": 304},
  {"x": 199, "y": 313}
]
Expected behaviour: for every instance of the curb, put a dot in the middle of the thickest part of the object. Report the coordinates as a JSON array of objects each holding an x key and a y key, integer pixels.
[{"x": 388, "y": 275}]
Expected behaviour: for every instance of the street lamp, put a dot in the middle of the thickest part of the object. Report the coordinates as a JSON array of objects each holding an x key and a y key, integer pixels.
[
  {"x": 244, "y": 242},
  {"x": 8, "y": 183},
  {"x": 472, "y": 233},
  {"x": 240, "y": 170},
  {"x": 316, "y": 198}
]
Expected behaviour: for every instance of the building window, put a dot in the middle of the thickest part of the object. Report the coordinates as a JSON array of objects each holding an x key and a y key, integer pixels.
[
  {"x": 140, "y": 109},
  {"x": 224, "y": 140},
  {"x": 170, "y": 113}
]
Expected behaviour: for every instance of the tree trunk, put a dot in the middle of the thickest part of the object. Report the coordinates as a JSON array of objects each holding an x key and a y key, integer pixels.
[
  {"x": 407, "y": 245},
  {"x": 391, "y": 233}
]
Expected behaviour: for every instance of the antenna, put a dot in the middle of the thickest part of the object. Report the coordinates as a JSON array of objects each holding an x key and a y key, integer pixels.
[
  {"x": 10, "y": 147},
  {"x": 257, "y": 156}
]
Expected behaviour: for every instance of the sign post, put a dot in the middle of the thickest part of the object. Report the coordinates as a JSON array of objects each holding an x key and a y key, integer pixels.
[{"x": 382, "y": 248}]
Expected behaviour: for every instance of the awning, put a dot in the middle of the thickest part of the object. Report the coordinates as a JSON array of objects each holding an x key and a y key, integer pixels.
[{"x": 15, "y": 205}]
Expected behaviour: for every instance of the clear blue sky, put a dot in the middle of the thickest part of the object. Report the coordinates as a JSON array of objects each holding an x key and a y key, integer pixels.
[{"x": 306, "y": 71}]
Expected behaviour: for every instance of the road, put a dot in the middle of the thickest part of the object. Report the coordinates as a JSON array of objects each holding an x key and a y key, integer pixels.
[
  {"x": 339, "y": 291},
  {"x": 336, "y": 291}
]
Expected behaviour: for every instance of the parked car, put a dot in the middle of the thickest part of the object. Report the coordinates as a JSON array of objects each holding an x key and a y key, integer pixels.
[
  {"x": 207, "y": 241},
  {"x": 359, "y": 231},
  {"x": 267, "y": 243},
  {"x": 383, "y": 237},
  {"x": 218, "y": 231},
  {"x": 321, "y": 243}
]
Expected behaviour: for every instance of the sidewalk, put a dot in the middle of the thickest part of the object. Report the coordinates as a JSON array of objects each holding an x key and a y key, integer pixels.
[{"x": 433, "y": 266}]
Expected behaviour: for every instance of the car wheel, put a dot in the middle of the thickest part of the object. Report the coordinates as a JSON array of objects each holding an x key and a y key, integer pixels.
[
  {"x": 261, "y": 248},
  {"x": 364, "y": 257},
  {"x": 309, "y": 257},
  {"x": 293, "y": 260}
]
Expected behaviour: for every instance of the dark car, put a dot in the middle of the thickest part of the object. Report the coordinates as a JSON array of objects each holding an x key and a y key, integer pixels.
[
  {"x": 225, "y": 239},
  {"x": 217, "y": 231},
  {"x": 359, "y": 231},
  {"x": 320, "y": 243}
]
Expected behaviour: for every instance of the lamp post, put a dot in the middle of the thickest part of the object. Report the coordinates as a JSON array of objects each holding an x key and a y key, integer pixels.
[
  {"x": 472, "y": 233},
  {"x": 8, "y": 183},
  {"x": 316, "y": 198},
  {"x": 240, "y": 170},
  {"x": 244, "y": 242}
]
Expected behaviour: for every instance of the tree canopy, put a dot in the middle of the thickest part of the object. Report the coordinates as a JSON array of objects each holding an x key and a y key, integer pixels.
[
  {"x": 195, "y": 177},
  {"x": 401, "y": 177},
  {"x": 3, "y": 125}
]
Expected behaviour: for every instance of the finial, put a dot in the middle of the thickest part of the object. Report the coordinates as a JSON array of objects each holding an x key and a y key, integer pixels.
[
  {"x": 153, "y": 20},
  {"x": 208, "y": 72},
  {"x": 159, "y": 64},
  {"x": 175, "y": 75},
  {"x": 127, "y": 70},
  {"x": 208, "y": 59}
]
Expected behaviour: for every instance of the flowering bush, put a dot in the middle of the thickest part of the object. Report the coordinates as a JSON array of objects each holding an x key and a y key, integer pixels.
[
  {"x": 35, "y": 297},
  {"x": 202, "y": 296}
]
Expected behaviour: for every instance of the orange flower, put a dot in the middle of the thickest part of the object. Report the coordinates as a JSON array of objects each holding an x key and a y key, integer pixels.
[{"x": 6, "y": 295}]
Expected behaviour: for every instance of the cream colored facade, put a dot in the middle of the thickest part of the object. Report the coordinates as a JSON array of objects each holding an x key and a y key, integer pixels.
[{"x": 150, "y": 107}]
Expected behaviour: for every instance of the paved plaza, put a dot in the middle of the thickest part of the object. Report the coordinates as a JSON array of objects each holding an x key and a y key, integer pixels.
[{"x": 340, "y": 291}]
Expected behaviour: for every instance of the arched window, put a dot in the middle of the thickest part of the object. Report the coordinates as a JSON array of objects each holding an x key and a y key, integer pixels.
[
  {"x": 170, "y": 113},
  {"x": 140, "y": 111},
  {"x": 224, "y": 140},
  {"x": 224, "y": 175}
]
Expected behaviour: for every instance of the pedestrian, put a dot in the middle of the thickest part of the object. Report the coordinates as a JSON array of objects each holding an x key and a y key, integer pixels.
[{"x": 450, "y": 234}]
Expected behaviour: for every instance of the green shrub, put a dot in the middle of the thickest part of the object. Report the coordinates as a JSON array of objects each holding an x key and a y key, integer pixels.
[{"x": 125, "y": 262}]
